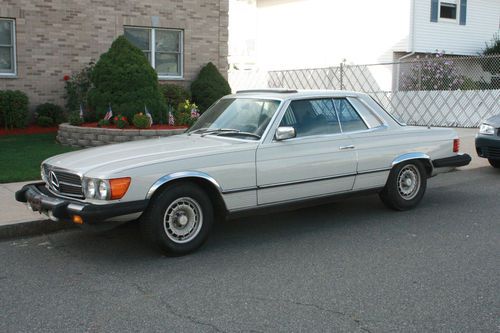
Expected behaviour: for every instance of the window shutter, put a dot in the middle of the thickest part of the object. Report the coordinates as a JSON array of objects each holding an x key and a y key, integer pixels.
[
  {"x": 463, "y": 11},
  {"x": 434, "y": 10}
]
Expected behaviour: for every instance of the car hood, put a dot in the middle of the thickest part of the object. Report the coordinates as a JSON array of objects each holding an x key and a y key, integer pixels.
[
  {"x": 493, "y": 121},
  {"x": 116, "y": 158}
]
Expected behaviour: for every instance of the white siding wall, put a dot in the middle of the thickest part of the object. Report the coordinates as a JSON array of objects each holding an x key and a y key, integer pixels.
[
  {"x": 319, "y": 33},
  {"x": 483, "y": 19}
]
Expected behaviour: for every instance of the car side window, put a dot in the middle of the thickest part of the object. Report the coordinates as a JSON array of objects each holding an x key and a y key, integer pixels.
[
  {"x": 349, "y": 118},
  {"x": 312, "y": 117},
  {"x": 368, "y": 115}
]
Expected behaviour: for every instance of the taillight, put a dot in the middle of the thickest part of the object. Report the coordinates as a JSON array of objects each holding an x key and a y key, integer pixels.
[{"x": 456, "y": 145}]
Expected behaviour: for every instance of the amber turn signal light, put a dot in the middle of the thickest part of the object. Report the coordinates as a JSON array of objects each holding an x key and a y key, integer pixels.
[
  {"x": 77, "y": 219},
  {"x": 119, "y": 187}
]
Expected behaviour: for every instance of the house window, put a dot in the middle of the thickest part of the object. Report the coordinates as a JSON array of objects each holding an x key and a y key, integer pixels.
[
  {"x": 7, "y": 47},
  {"x": 162, "y": 47},
  {"x": 448, "y": 10}
]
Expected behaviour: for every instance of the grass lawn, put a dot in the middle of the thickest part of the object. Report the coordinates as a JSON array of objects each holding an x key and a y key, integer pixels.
[{"x": 21, "y": 155}]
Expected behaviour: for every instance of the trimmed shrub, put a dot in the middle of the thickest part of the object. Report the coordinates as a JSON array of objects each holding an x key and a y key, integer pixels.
[
  {"x": 44, "y": 121},
  {"x": 103, "y": 123},
  {"x": 174, "y": 94},
  {"x": 74, "y": 119},
  {"x": 13, "y": 109},
  {"x": 52, "y": 111},
  {"x": 208, "y": 87},
  {"x": 141, "y": 120},
  {"x": 124, "y": 78}
]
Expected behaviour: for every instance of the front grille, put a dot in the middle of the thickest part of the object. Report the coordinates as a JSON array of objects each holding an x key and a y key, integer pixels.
[
  {"x": 70, "y": 184},
  {"x": 491, "y": 152}
]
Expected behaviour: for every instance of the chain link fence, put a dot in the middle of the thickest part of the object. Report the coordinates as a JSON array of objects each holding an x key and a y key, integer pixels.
[{"x": 431, "y": 90}]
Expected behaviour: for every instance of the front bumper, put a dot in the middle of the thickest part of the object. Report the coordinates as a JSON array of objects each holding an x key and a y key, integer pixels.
[
  {"x": 488, "y": 146},
  {"x": 42, "y": 200},
  {"x": 453, "y": 161}
]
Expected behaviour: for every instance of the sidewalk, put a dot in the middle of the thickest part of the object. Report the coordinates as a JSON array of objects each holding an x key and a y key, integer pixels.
[{"x": 16, "y": 220}]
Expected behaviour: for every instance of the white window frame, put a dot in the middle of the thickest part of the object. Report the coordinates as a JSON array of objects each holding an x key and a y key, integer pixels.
[
  {"x": 152, "y": 43},
  {"x": 444, "y": 19},
  {"x": 14, "y": 60}
]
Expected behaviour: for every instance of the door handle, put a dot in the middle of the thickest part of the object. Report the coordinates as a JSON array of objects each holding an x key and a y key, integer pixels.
[{"x": 346, "y": 147}]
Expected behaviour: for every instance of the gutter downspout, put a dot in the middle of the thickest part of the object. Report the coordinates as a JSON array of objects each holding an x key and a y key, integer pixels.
[{"x": 412, "y": 43}]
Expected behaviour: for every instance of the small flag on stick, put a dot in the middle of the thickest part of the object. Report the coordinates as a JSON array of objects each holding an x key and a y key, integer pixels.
[
  {"x": 108, "y": 114},
  {"x": 146, "y": 111},
  {"x": 171, "y": 119}
]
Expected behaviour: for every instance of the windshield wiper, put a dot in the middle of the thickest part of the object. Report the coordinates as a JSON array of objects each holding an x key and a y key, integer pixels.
[
  {"x": 229, "y": 131},
  {"x": 236, "y": 132},
  {"x": 216, "y": 131}
]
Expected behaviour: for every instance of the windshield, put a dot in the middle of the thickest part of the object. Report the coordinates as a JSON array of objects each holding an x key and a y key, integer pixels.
[{"x": 238, "y": 117}]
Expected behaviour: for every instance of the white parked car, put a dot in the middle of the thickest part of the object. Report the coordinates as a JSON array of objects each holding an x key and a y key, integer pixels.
[{"x": 251, "y": 150}]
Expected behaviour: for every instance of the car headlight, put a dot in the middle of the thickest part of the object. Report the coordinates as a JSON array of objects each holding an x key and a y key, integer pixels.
[
  {"x": 486, "y": 129},
  {"x": 89, "y": 187},
  {"x": 105, "y": 189}
]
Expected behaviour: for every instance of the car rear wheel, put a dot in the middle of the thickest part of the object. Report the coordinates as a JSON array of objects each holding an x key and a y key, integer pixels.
[
  {"x": 494, "y": 163},
  {"x": 405, "y": 186},
  {"x": 179, "y": 219}
]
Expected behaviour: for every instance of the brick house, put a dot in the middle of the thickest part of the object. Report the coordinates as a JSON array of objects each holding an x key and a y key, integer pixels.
[{"x": 41, "y": 41}]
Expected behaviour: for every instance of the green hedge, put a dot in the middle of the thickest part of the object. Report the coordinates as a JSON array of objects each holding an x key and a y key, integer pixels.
[
  {"x": 13, "y": 109},
  {"x": 174, "y": 94},
  {"x": 208, "y": 87},
  {"x": 52, "y": 111},
  {"x": 124, "y": 78}
]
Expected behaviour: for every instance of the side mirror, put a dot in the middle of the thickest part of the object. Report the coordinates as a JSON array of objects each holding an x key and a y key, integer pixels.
[{"x": 285, "y": 132}]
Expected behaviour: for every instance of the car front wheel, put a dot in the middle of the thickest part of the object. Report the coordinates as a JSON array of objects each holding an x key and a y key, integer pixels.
[
  {"x": 405, "y": 186},
  {"x": 179, "y": 219},
  {"x": 494, "y": 163}
]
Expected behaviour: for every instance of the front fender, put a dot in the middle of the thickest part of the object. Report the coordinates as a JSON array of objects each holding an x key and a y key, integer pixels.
[{"x": 178, "y": 175}]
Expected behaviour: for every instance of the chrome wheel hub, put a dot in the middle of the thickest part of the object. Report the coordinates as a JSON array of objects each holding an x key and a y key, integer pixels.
[
  {"x": 183, "y": 220},
  {"x": 408, "y": 182}
]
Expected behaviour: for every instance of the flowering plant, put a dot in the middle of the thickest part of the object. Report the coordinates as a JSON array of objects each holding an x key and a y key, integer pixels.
[
  {"x": 187, "y": 113},
  {"x": 120, "y": 121},
  {"x": 431, "y": 73}
]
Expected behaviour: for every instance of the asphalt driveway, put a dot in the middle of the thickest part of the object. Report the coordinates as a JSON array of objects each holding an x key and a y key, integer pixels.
[{"x": 351, "y": 266}]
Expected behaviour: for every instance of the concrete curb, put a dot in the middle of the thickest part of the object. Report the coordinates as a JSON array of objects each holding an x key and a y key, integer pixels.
[{"x": 31, "y": 228}]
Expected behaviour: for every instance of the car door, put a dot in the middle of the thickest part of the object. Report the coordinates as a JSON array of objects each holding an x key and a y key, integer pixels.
[
  {"x": 319, "y": 161},
  {"x": 374, "y": 144}
]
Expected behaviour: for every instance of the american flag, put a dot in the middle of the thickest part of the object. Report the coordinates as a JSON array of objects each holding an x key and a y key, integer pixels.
[
  {"x": 81, "y": 111},
  {"x": 146, "y": 111},
  {"x": 171, "y": 119},
  {"x": 108, "y": 114}
]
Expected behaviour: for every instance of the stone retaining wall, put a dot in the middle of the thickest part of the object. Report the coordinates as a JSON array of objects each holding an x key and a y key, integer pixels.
[{"x": 92, "y": 137}]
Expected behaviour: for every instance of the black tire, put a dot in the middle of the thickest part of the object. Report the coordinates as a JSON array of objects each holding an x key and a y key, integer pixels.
[
  {"x": 398, "y": 193},
  {"x": 494, "y": 163},
  {"x": 178, "y": 209}
]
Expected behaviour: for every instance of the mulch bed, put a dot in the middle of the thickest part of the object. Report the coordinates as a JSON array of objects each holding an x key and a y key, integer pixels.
[
  {"x": 33, "y": 129},
  {"x": 154, "y": 127}
]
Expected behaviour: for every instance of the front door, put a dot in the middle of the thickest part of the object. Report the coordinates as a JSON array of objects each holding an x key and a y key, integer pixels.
[{"x": 319, "y": 161}]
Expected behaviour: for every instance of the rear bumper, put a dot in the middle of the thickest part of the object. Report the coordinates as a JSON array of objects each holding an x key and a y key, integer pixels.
[
  {"x": 40, "y": 199},
  {"x": 453, "y": 161},
  {"x": 488, "y": 146}
]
